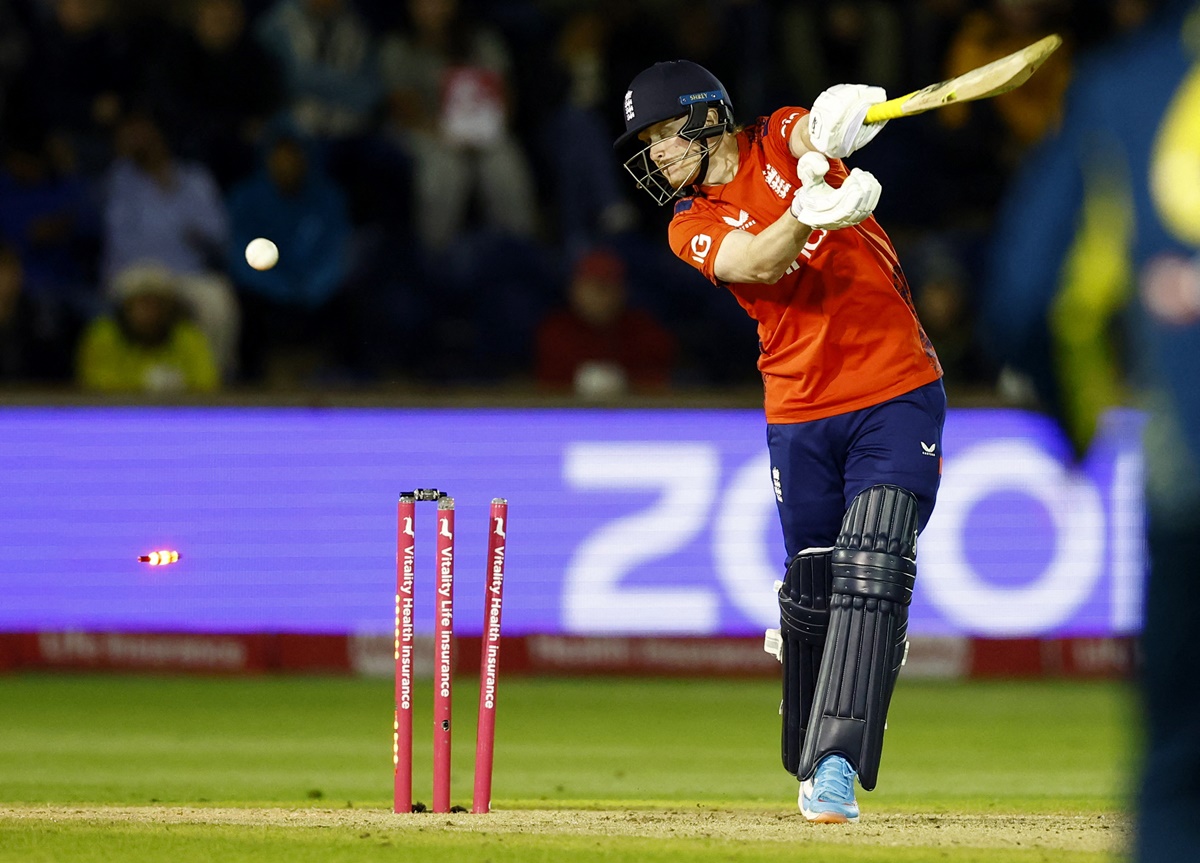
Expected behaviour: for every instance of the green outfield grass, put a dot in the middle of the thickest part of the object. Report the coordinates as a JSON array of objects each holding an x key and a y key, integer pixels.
[{"x": 631, "y": 768}]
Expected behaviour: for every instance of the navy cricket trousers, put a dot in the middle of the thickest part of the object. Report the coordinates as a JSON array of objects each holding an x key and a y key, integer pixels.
[{"x": 819, "y": 467}]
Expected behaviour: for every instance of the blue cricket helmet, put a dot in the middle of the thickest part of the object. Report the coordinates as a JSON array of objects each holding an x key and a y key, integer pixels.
[
  {"x": 665, "y": 91},
  {"x": 672, "y": 89}
]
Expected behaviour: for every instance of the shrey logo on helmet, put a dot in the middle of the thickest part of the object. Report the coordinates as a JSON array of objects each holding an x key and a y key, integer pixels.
[{"x": 667, "y": 91}]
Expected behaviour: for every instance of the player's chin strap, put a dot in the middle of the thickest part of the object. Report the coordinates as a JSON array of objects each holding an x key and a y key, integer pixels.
[
  {"x": 697, "y": 130},
  {"x": 705, "y": 151}
]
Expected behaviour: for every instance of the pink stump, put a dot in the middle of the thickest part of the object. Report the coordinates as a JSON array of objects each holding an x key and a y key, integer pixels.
[
  {"x": 443, "y": 637},
  {"x": 402, "y": 736},
  {"x": 489, "y": 664}
]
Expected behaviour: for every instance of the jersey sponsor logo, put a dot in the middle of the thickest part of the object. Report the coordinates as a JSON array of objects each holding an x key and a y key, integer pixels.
[
  {"x": 814, "y": 241},
  {"x": 929, "y": 449},
  {"x": 683, "y": 206},
  {"x": 628, "y": 105},
  {"x": 742, "y": 221},
  {"x": 701, "y": 246},
  {"x": 787, "y": 121},
  {"x": 775, "y": 180}
]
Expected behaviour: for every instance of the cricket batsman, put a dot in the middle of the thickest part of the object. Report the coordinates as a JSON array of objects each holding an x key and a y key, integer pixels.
[{"x": 853, "y": 390}]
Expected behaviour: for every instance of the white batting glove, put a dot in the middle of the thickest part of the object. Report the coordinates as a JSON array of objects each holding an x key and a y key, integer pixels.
[
  {"x": 836, "y": 125},
  {"x": 819, "y": 205}
]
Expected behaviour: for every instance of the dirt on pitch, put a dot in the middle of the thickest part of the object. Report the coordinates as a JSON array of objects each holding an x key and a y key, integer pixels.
[{"x": 1098, "y": 833}]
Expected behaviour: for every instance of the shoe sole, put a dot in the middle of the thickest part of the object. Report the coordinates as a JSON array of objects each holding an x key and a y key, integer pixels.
[{"x": 828, "y": 818}]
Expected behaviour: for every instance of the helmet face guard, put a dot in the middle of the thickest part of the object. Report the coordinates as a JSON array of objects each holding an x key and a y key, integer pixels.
[
  {"x": 652, "y": 177},
  {"x": 664, "y": 92}
]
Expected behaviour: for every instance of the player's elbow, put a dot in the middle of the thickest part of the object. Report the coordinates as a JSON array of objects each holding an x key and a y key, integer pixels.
[
  {"x": 768, "y": 275},
  {"x": 762, "y": 274},
  {"x": 768, "y": 269}
]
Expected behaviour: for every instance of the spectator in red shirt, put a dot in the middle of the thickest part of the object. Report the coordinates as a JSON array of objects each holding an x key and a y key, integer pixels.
[{"x": 599, "y": 346}]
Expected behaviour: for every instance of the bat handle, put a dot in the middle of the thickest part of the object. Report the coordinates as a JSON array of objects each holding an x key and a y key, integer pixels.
[{"x": 889, "y": 110}]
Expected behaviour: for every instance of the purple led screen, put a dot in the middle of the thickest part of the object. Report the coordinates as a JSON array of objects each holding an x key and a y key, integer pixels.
[{"x": 621, "y": 521}]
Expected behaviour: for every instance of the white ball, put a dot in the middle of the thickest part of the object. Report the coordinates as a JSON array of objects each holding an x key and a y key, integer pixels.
[{"x": 262, "y": 254}]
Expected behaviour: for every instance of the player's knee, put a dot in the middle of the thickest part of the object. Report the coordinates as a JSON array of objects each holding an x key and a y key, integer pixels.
[
  {"x": 876, "y": 550},
  {"x": 804, "y": 596}
]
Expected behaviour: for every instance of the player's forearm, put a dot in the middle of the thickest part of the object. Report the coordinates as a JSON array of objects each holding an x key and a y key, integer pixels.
[
  {"x": 777, "y": 246},
  {"x": 762, "y": 258},
  {"x": 800, "y": 142}
]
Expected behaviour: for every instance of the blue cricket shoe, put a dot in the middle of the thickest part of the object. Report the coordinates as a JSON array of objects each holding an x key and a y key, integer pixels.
[{"x": 828, "y": 798}]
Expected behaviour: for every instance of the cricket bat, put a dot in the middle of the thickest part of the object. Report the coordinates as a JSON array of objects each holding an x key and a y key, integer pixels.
[{"x": 995, "y": 78}]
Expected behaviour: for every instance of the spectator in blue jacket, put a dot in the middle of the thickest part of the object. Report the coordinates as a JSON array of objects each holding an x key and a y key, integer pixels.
[
  {"x": 296, "y": 304},
  {"x": 50, "y": 216}
]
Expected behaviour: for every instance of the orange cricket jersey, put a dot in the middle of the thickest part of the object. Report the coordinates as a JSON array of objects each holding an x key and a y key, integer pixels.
[{"x": 838, "y": 332}]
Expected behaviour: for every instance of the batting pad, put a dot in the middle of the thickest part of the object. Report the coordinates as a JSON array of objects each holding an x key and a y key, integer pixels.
[
  {"x": 874, "y": 570},
  {"x": 803, "y": 622}
]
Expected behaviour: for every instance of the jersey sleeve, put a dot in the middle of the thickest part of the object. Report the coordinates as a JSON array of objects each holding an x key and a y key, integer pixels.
[
  {"x": 778, "y": 131},
  {"x": 695, "y": 235}
]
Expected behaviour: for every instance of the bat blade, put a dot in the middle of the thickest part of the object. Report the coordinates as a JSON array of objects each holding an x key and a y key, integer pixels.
[{"x": 995, "y": 78}]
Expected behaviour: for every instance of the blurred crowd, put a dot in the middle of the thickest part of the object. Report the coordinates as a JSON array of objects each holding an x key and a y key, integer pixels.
[{"x": 439, "y": 179}]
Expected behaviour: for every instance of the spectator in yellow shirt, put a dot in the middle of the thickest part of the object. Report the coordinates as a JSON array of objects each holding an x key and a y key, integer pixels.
[{"x": 147, "y": 344}]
